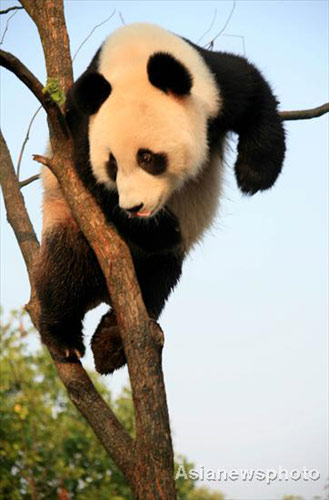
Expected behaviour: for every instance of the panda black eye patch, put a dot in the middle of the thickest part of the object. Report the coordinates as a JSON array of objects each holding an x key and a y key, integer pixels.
[
  {"x": 112, "y": 167},
  {"x": 152, "y": 163}
]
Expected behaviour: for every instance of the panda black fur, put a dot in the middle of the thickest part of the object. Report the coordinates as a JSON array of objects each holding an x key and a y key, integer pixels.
[{"x": 149, "y": 118}]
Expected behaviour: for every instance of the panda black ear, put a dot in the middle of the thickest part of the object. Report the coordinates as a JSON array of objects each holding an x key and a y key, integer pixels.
[
  {"x": 90, "y": 91},
  {"x": 168, "y": 74}
]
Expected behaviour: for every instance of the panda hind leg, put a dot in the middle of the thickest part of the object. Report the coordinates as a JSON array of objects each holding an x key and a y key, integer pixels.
[
  {"x": 106, "y": 345},
  {"x": 69, "y": 281},
  {"x": 157, "y": 275}
]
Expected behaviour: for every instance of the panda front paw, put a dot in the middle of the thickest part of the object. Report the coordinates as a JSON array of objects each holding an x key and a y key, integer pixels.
[
  {"x": 107, "y": 347},
  {"x": 258, "y": 164},
  {"x": 249, "y": 179}
]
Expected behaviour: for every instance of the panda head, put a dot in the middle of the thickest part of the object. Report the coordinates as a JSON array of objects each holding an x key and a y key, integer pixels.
[
  {"x": 148, "y": 118},
  {"x": 154, "y": 103}
]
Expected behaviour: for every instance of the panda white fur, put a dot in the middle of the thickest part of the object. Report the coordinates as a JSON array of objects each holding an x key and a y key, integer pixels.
[{"x": 149, "y": 117}]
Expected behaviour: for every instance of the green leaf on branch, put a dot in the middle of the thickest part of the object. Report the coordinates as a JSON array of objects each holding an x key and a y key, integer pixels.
[{"x": 54, "y": 90}]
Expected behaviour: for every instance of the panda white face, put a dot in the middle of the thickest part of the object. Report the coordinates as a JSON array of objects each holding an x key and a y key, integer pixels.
[{"x": 146, "y": 148}]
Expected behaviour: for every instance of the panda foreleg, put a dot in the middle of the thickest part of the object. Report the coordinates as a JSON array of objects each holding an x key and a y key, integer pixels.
[{"x": 69, "y": 281}]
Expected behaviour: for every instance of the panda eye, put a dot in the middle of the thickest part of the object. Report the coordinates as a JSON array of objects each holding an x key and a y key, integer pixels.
[
  {"x": 144, "y": 157},
  {"x": 152, "y": 163},
  {"x": 112, "y": 167}
]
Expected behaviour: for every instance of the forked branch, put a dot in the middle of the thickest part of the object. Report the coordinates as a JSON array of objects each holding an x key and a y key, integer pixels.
[{"x": 79, "y": 386}]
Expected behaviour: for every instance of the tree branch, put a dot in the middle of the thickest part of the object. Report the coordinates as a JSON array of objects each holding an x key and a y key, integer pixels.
[
  {"x": 305, "y": 114},
  {"x": 16, "y": 210},
  {"x": 28, "y": 181},
  {"x": 15, "y": 7},
  {"x": 48, "y": 16},
  {"x": 14, "y": 65},
  {"x": 79, "y": 386},
  {"x": 10, "y": 62}
]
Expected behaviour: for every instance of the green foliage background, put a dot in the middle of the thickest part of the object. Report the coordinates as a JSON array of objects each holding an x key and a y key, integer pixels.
[{"x": 48, "y": 450}]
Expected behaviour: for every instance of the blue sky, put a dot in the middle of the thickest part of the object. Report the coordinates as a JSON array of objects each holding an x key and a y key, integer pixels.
[{"x": 245, "y": 357}]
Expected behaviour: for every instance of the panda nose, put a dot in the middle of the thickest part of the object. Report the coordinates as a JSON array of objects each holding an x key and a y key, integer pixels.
[{"x": 135, "y": 209}]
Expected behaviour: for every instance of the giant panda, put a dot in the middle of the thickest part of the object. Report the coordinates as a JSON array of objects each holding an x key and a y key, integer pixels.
[{"x": 149, "y": 118}]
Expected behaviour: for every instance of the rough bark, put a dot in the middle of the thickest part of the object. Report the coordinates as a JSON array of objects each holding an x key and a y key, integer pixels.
[
  {"x": 48, "y": 16},
  {"x": 16, "y": 210}
]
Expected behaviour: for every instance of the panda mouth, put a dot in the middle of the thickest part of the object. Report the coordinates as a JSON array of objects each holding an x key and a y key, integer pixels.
[
  {"x": 141, "y": 215},
  {"x": 146, "y": 214}
]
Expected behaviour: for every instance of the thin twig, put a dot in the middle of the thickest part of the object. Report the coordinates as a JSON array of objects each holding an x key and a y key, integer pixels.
[
  {"x": 305, "y": 114},
  {"x": 122, "y": 18},
  {"x": 15, "y": 7},
  {"x": 27, "y": 136},
  {"x": 28, "y": 181},
  {"x": 7, "y": 25},
  {"x": 211, "y": 43},
  {"x": 42, "y": 159},
  {"x": 211, "y": 25},
  {"x": 92, "y": 31}
]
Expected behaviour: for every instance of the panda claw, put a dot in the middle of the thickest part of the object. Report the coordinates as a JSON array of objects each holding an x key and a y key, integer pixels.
[{"x": 65, "y": 354}]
